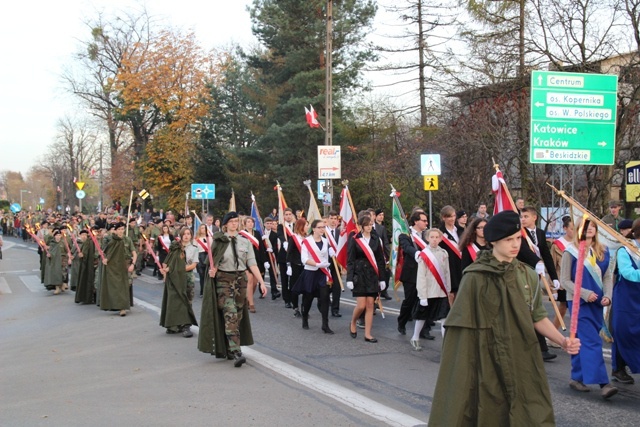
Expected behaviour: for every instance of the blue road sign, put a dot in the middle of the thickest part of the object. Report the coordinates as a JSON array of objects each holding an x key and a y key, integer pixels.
[
  {"x": 203, "y": 191},
  {"x": 15, "y": 208}
]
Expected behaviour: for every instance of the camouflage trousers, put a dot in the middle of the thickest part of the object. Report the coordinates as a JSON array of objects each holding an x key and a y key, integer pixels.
[{"x": 231, "y": 289}]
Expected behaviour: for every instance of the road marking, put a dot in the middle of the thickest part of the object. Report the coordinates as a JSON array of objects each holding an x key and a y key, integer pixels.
[
  {"x": 33, "y": 283},
  {"x": 4, "y": 286},
  {"x": 330, "y": 389},
  {"x": 149, "y": 279},
  {"x": 13, "y": 271}
]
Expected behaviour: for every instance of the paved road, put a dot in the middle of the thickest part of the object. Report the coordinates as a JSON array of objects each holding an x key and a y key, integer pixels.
[{"x": 68, "y": 364}]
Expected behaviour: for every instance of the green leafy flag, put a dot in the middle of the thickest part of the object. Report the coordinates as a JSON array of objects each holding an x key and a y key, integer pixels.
[{"x": 399, "y": 226}]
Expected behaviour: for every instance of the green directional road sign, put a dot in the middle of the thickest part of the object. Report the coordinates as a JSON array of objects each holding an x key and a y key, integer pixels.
[{"x": 573, "y": 118}]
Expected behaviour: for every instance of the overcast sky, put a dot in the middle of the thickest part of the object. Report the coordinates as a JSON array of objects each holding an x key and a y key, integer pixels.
[{"x": 39, "y": 37}]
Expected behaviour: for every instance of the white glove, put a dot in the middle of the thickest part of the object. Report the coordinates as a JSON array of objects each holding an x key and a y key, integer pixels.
[
  {"x": 289, "y": 271},
  {"x": 267, "y": 266},
  {"x": 265, "y": 237},
  {"x": 556, "y": 285},
  {"x": 323, "y": 265},
  {"x": 540, "y": 269},
  {"x": 285, "y": 245},
  {"x": 382, "y": 286},
  {"x": 424, "y": 302},
  {"x": 417, "y": 256},
  {"x": 269, "y": 250},
  {"x": 332, "y": 253},
  {"x": 350, "y": 285}
]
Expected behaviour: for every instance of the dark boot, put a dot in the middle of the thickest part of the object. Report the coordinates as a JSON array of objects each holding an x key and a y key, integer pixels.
[
  {"x": 325, "y": 327},
  {"x": 305, "y": 321}
]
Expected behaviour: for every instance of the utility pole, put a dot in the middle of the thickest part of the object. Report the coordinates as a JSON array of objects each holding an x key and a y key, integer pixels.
[
  {"x": 100, "y": 204},
  {"x": 328, "y": 135}
]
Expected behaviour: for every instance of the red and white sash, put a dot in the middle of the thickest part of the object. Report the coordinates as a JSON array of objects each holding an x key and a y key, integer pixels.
[
  {"x": 203, "y": 244},
  {"x": 164, "y": 245},
  {"x": 451, "y": 245},
  {"x": 417, "y": 239},
  {"x": 332, "y": 242},
  {"x": 250, "y": 237},
  {"x": 287, "y": 230},
  {"x": 473, "y": 250},
  {"x": 315, "y": 254},
  {"x": 297, "y": 240},
  {"x": 434, "y": 266},
  {"x": 561, "y": 243},
  {"x": 368, "y": 253}
]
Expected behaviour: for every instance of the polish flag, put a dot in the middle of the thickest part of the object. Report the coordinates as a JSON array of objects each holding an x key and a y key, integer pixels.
[
  {"x": 312, "y": 117},
  {"x": 502, "y": 201},
  {"x": 347, "y": 226}
]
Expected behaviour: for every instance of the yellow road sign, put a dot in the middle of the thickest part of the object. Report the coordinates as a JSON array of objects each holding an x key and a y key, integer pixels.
[
  {"x": 144, "y": 194},
  {"x": 80, "y": 185},
  {"x": 430, "y": 182}
]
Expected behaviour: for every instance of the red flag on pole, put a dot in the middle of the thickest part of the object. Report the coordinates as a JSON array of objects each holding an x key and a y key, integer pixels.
[
  {"x": 312, "y": 117},
  {"x": 502, "y": 201},
  {"x": 347, "y": 226}
]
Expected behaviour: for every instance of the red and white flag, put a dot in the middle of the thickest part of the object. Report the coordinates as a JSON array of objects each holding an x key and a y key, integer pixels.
[
  {"x": 347, "y": 226},
  {"x": 312, "y": 117},
  {"x": 502, "y": 202}
]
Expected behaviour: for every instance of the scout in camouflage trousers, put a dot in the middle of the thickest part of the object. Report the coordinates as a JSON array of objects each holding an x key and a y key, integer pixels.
[{"x": 224, "y": 322}]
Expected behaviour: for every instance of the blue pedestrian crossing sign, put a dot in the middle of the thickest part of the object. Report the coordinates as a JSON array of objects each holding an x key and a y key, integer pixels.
[
  {"x": 203, "y": 191},
  {"x": 15, "y": 207}
]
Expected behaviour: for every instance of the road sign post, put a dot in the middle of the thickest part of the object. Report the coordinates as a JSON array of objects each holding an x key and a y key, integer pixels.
[{"x": 573, "y": 118}]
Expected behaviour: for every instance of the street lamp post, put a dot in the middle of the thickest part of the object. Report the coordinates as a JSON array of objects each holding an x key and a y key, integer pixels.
[{"x": 23, "y": 191}]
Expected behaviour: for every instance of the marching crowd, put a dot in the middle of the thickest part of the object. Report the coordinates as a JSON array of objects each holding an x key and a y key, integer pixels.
[{"x": 481, "y": 274}]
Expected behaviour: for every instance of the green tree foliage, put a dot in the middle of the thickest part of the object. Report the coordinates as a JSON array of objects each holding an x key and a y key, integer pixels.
[{"x": 291, "y": 70}]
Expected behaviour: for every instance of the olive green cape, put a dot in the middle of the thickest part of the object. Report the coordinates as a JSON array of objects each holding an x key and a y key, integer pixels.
[
  {"x": 53, "y": 265},
  {"x": 75, "y": 266},
  {"x": 491, "y": 370},
  {"x": 114, "y": 289},
  {"x": 176, "y": 309},
  {"x": 211, "y": 338},
  {"x": 85, "y": 292}
]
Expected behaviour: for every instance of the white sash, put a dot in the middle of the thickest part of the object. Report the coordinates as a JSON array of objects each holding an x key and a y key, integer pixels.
[
  {"x": 203, "y": 244},
  {"x": 314, "y": 251},
  {"x": 594, "y": 271}
]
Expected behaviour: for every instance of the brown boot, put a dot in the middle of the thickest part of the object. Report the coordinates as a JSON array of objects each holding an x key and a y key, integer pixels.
[{"x": 608, "y": 390}]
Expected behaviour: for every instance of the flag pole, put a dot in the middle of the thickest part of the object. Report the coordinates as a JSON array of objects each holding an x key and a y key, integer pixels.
[{"x": 333, "y": 258}]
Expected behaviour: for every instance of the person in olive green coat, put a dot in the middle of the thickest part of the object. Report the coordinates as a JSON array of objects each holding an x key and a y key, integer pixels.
[
  {"x": 491, "y": 372},
  {"x": 114, "y": 289},
  {"x": 177, "y": 314},
  {"x": 85, "y": 292}
]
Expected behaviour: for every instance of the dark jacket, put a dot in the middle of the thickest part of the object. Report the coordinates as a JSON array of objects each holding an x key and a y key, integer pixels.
[
  {"x": 359, "y": 269},
  {"x": 409, "y": 266},
  {"x": 455, "y": 267},
  {"x": 529, "y": 257}
]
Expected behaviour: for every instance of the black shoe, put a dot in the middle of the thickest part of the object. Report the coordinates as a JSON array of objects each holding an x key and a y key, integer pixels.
[
  {"x": 402, "y": 330},
  {"x": 360, "y": 324},
  {"x": 353, "y": 334},
  {"x": 305, "y": 322},
  {"x": 172, "y": 331},
  {"x": 138, "y": 273},
  {"x": 427, "y": 336},
  {"x": 296, "y": 313},
  {"x": 327, "y": 330},
  {"x": 238, "y": 359},
  {"x": 229, "y": 356},
  {"x": 288, "y": 305},
  {"x": 186, "y": 332},
  {"x": 336, "y": 314},
  {"x": 386, "y": 296},
  {"x": 275, "y": 296},
  {"x": 372, "y": 339},
  {"x": 546, "y": 356},
  {"x": 261, "y": 296},
  {"x": 160, "y": 277},
  {"x": 622, "y": 376}
]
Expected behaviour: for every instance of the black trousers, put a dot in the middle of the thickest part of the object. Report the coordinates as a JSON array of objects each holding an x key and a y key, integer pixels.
[
  {"x": 272, "y": 280},
  {"x": 322, "y": 293},
  {"x": 543, "y": 342},
  {"x": 296, "y": 271},
  {"x": 410, "y": 298},
  {"x": 284, "y": 282}
]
